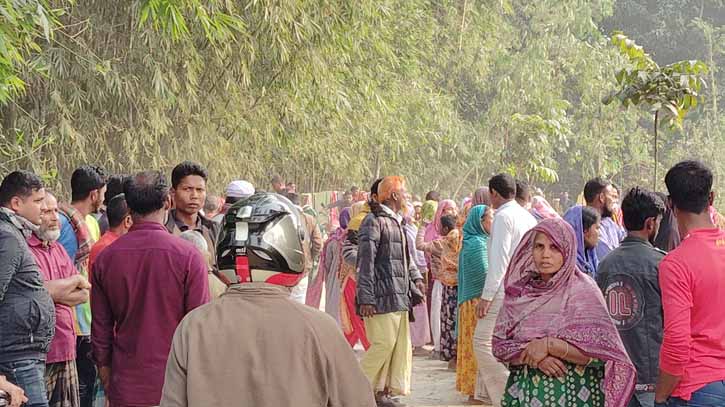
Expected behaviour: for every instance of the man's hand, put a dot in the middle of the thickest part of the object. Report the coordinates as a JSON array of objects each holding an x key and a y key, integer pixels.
[
  {"x": 420, "y": 285},
  {"x": 83, "y": 283},
  {"x": 104, "y": 373},
  {"x": 535, "y": 352},
  {"x": 552, "y": 367},
  {"x": 666, "y": 384},
  {"x": 17, "y": 395},
  {"x": 367, "y": 311},
  {"x": 482, "y": 308}
]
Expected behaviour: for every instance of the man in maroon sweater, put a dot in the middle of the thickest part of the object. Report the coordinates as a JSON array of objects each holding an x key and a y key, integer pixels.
[{"x": 142, "y": 286}]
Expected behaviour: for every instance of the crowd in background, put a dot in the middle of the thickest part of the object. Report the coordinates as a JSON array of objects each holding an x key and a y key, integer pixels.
[{"x": 609, "y": 302}]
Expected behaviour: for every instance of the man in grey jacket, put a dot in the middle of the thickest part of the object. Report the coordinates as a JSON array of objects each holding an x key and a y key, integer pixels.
[
  {"x": 385, "y": 271},
  {"x": 27, "y": 313},
  {"x": 628, "y": 277}
]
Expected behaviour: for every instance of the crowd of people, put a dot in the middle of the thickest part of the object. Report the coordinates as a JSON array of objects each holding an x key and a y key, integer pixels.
[{"x": 138, "y": 292}]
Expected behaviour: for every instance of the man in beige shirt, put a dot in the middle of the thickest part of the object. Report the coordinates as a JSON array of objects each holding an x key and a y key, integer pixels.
[{"x": 255, "y": 346}]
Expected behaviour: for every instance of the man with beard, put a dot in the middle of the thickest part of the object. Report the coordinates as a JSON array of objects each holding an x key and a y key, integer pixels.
[
  {"x": 67, "y": 288},
  {"x": 385, "y": 275},
  {"x": 278, "y": 185},
  {"x": 628, "y": 277},
  {"x": 79, "y": 230},
  {"x": 188, "y": 191},
  {"x": 24, "y": 336},
  {"x": 601, "y": 195}
]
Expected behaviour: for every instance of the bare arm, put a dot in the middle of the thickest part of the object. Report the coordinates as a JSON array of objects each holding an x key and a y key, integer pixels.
[
  {"x": 666, "y": 384},
  {"x": 69, "y": 291},
  {"x": 565, "y": 351}
]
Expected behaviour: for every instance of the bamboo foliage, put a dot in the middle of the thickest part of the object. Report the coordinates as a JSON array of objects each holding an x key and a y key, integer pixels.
[{"x": 326, "y": 92}]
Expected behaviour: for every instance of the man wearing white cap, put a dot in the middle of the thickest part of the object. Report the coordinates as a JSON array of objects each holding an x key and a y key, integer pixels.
[{"x": 236, "y": 191}]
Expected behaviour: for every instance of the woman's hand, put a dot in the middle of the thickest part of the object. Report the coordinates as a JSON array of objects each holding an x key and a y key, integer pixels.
[
  {"x": 536, "y": 351},
  {"x": 552, "y": 367}
]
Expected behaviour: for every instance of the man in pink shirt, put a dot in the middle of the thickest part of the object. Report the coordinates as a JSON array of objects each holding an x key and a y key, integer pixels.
[
  {"x": 67, "y": 288},
  {"x": 692, "y": 279}
]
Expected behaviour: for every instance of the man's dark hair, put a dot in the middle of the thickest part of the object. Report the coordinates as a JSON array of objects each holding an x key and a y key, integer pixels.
[
  {"x": 375, "y": 185},
  {"x": 276, "y": 179},
  {"x": 639, "y": 205},
  {"x": 186, "y": 169},
  {"x": 294, "y": 198},
  {"x": 523, "y": 191},
  {"x": 114, "y": 186},
  {"x": 354, "y": 189},
  {"x": 116, "y": 210},
  {"x": 19, "y": 183},
  {"x": 231, "y": 200},
  {"x": 590, "y": 216},
  {"x": 449, "y": 222},
  {"x": 86, "y": 179},
  {"x": 432, "y": 196},
  {"x": 146, "y": 192},
  {"x": 689, "y": 184},
  {"x": 594, "y": 187},
  {"x": 504, "y": 184}
]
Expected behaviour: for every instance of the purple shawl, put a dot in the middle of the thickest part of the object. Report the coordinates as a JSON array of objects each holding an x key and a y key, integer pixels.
[{"x": 569, "y": 307}]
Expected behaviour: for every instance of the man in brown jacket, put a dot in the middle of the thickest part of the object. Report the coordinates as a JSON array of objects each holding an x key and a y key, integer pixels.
[{"x": 255, "y": 346}]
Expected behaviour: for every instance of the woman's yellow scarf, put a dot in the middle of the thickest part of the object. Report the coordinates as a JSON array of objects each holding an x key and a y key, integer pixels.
[{"x": 358, "y": 212}]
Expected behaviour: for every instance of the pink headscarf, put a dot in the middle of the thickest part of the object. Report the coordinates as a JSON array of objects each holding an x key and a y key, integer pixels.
[
  {"x": 541, "y": 209},
  {"x": 569, "y": 307},
  {"x": 433, "y": 230}
]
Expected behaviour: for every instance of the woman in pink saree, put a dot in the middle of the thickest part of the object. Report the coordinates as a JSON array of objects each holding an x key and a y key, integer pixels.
[{"x": 554, "y": 329}]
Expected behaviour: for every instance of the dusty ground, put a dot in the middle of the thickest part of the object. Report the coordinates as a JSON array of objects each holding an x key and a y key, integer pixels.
[{"x": 433, "y": 385}]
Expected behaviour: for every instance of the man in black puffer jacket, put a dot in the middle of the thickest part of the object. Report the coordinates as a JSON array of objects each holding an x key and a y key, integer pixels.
[
  {"x": 27, "y": 313},
  {"x": 385, "y": 271}
]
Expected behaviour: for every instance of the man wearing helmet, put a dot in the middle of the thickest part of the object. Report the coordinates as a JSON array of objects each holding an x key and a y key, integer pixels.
[
  {"x": 385, "y": 274},
  {"x": 255, "y": 346}
]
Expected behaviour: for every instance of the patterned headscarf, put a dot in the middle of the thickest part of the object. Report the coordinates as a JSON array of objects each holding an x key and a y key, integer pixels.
[{"x": 570, "y": 307}]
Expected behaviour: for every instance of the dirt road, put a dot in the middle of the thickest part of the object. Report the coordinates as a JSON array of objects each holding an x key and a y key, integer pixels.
[{"x": 433, "y": 385}]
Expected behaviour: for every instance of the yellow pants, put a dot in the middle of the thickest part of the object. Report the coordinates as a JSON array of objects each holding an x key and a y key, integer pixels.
[{"x": 389, "y": 361}]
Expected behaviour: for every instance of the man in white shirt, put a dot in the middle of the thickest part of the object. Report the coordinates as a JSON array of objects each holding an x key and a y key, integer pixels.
[{"x": 510, "y": 223}]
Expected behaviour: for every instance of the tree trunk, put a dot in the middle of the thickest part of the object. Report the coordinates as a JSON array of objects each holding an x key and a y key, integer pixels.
[{"x": 657, "y": 114}]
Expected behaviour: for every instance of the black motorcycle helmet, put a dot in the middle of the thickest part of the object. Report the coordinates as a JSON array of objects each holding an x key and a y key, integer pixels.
[{"x": 262, "y": 240}]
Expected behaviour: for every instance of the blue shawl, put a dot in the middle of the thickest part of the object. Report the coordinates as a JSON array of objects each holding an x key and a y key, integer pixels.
[{"x": 586, "y": 259}]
